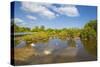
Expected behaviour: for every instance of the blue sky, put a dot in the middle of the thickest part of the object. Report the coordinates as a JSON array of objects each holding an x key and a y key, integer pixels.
[{"x": 30, "y": 14}]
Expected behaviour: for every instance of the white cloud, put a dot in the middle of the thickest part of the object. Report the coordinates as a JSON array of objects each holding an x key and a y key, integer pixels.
[
  {"x": 38, "y": 8},
  {"x": 71, "y": 11},
  {"x": 21, "y": 22},
  {"x": 48, "y": 14},
  {"x": 31, "y": 17},
  {"x": 17, "y": 20},
  {"x": 44, "y": 9}
]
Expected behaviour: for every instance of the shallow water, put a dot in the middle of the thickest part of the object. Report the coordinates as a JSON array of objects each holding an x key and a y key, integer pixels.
[{"x": 58, "y": 51}]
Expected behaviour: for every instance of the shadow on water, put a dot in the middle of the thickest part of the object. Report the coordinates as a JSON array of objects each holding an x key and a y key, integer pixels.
[
  {"x": 59, "y": 51},
  {"x": 90, "y": 46},
  {"x": 83, "y": 54}
]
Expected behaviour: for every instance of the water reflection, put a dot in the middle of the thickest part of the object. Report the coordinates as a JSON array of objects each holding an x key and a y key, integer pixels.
[
  {"x": 90, "y": 46},
  {"x": 32, "y": 44},
  {"x": 57, "y": 50},
  {"x": 21, "y": 44}
]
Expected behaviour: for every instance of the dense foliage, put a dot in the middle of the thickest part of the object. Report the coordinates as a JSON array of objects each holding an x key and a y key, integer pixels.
[{"x": 90, "y": 30}]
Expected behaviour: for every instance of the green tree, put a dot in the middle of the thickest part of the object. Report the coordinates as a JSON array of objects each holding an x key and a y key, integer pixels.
[{"x": 90, "y": 30}]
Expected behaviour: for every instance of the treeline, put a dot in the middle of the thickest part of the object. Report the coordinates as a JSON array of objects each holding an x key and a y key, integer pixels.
[{"x": 88, "y": 32}]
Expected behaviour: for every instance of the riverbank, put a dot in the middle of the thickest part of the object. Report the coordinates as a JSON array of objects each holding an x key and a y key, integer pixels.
[{"x": 21, "y": 55}]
